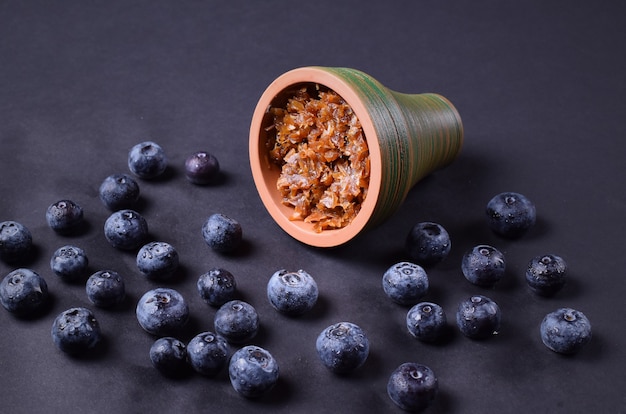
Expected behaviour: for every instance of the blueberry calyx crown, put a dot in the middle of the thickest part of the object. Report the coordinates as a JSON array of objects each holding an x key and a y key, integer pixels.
[
  {"x": 258, "y": 357},
  {"x": 162, "y": 299},
  {"x": 569, "y": 316},
  {"x": 338, "y": 331},
  {"x": 291, "y": 278},
  {"x": 149, "y": 149}
]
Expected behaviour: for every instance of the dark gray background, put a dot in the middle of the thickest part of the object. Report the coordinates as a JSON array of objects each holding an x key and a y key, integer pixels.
[{"x": 539, "y": 85}]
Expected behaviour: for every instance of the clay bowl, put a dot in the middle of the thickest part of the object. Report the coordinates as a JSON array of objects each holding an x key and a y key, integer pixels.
[{"x": 408, "y": 135}]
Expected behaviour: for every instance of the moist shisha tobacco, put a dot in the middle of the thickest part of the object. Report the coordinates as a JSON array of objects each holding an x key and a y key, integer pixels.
[{"x": 320, "y": 146}]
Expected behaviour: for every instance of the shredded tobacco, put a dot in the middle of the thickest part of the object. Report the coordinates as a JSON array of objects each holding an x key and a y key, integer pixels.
[{"x": 319, "y": 144}]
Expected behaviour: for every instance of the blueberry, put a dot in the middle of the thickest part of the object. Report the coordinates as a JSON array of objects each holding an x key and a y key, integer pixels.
[
  {"x": 223, "y": 234},
  {"x": 426, "y": 321},
  {"x": 412, "y": 386},
  {"x": 483, "y": 265},
  {"x": 201, "y": 168},
  {"x": 76, "y": 330},
  {"x": 162, "y": 311},
  {"x": 69, "y": 263},
  {"x": 217, "y": 286},
  {"x": 510, "y": 214},
  {"x": 478, "y": 317},
  {"x": 565, "y": 331},
  {"x": 253, "y": 371},
  {"x": 23, "y": 292},
  {"x": 292, "y": 293},
  {"x": 158, "y": 260},
  {"x": 169, "y": 356},
  {"x": 119, "y": 191},
  {"x": 207, "y": 353},
  {"x": 405, "y": 283},
  {"x": 342, "y": 347},
  {"x": 126, "y": 229},
  {"x": 237, "y": 321},
  {"x": 105, "y": 288},
  {"x": 147, "y": 160},
  {"x": 16, "y": 241},
  {"x": 64, "y": 216},
  {"x": 428, "y": 243},
  {"x": 546, "y": 274}
]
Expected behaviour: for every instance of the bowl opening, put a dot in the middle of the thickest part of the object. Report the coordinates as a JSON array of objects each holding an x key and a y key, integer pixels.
[{"x": 266, "y": 172}]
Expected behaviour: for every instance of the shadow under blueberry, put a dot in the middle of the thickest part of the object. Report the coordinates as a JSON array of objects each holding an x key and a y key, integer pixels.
[
  {"x": 510, "y": 282},
  {"x": 180, "y": 276},
  {"x": 371, "y": 368},
  {"x": 181, "y": 373},
  {"x": 593, "y": 351},
  {"x": 447, "y": 336},
  {"x": 222, "y": 178},
  {"x": 318, "y": 312},
  {"x": 79, "y": 280},
  {"x": 260, "y": 337},
  {"x": 191, "y": 328},
  {"x": 81, "y": 229},
  {"x": 443, "y": 403},
  {"x": 246, "y": 248},
  {"x": 42, "y": 310},
  {"x": 572, "y": 288},
  {"x": 170, "y": 173},
  {"x": 127, "y": 304},
  {"x": 97, "y": 353},
  {"x": 142, "y": 204},
  {"x": 540, "y": 230},
  {"x": 32, "y": 256},
  {"x": 280, "y": 394}
]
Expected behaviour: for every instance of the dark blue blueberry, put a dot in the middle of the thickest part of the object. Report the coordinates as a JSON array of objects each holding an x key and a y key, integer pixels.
[
  {"x": 69, "y": 263},
  {"x": 412, "y": 386},
  {"x": 253, "y": 371},
  {"x": 64, "y": 216},
  {"x": 217, "y": 286},
  {"x": 292, "y": 293},
  {"x": 237, "y": 321},
  {"x": 201, "y": 168},
  {"x": 23, "y": 292},
  {"x": 405, "y": 283},
  {"x": 207, "y": 353},
  {"x": 342, "y": 347},
  {"x": 162, "y": 311},
  {"x": 119, "y": 191},
  {"x": 565, "y": 331},
  {"x": 169, "y": 356},
  {"x": 546, "y": 274},
  {"x": 105, "y": 288},
  {"x": 16, "y": 241},
  {"x": 510, "y": 214},
  {"x": 426, "y": 321},
  {"x": 223, "y": 234},
  {"x": 483, "y": 265},
  {"x": 147, "y": 160},
  {"x": 478, "y": 317},
  {"x": 126, "y": 229},
  {"x": 428, "y": 243},
  {"x": 158, "y": 260},
  {"x": 76, "y": 330}
]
